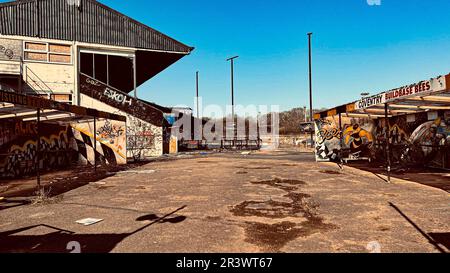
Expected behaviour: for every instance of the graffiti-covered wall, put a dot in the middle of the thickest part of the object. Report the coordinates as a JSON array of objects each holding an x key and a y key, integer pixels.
[
  {"x": 111, "y": 142},
  {"x": 60, "y": 145},
  {"x": 421, "y": 137},
  {"x": 355, "y": 140},
  {"x": 18, "y": 147},
  {"x": 143, "y": 139}
]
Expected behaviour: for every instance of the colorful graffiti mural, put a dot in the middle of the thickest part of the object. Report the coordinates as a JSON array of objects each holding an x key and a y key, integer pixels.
[
  {"x": 143, "y": 139},
  {"x": 60, "y": 146},
  {"x": 111, "y": 142},
  {"x": 18, "y": 152},
  {"x": 433, "y": 139},
  {"x": 358, "y": 140},
  {"x": 354, "y": 141},
  {"x": 413, "y": 139},
  {"x": 328, "y": 140}
]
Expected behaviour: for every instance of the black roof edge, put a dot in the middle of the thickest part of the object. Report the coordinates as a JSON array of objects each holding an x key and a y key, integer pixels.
[
  {"x": 189, "y": 48},
  {"x": 141, "y": 24}
]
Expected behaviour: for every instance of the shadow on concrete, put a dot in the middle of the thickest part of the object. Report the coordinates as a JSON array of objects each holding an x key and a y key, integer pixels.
[
  {"x": 56, "y": 183},
  {"x": 426, "y": 176},
  {"x": 14, "y": 202},
  {"x": 58, "y": 241},
  {"x": 442, "y": 238}
]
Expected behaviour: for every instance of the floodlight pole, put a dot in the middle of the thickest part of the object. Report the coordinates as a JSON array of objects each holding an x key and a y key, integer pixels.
[{"x": 232, "y": 97}]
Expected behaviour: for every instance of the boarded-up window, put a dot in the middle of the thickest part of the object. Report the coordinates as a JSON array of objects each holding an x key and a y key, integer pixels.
[
  {"x": 35, "y": 46},
  {"x": 61, "y": 97},
  {"x": 54, "y": 58},
  {"x": 59, "y": 49},
  {"x": 45, "y": 52},
  {"x": 34, "y": 56}
]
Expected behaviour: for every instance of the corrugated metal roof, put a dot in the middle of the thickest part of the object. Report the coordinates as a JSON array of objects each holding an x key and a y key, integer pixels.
[{"x": 89, "y": 22}]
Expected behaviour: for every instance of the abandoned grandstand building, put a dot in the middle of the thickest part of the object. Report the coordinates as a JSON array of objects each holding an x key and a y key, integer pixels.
[{"x": 87, "y": 55}]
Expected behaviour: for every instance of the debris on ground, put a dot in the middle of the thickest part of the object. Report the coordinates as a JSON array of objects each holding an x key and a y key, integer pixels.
[
  {"x": 89, "y": 221},
  {"x": 1, "y": 199},
  {"x": 246, "y": 153}
]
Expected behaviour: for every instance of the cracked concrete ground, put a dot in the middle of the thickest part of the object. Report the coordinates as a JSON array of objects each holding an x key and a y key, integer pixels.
[{"x": 277, "y": 201}]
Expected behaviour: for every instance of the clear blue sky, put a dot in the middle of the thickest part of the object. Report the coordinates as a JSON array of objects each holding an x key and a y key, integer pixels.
[{"x": 356, "y": 48}]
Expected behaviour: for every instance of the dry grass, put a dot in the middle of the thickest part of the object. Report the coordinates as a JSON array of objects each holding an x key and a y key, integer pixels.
[{"x": 43, "y": 197}]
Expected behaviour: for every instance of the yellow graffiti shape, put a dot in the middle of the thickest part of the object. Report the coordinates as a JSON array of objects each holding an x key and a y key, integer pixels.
[
  {"x": 48, "y": 140},
  {"x": 116, "y": 149},
  {"x": 356, "y": 133}
]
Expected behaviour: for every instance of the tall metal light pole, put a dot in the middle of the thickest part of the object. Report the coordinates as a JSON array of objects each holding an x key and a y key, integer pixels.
[
  {"x": 232, "y": 94},
  {"x": 311, "y": 117}
]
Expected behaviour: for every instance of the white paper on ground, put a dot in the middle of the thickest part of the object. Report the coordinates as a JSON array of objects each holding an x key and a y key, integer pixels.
[{"x": 89, "y": 221}]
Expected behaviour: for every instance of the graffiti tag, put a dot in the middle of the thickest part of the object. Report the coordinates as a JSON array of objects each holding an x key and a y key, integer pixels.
[
  {"x": 22, "y": 128},
  {"x": 8, "y": 52},
  {"x": 93, "y": 82},
  {"x": 328, "y": 134},
  {"x": 117, "y": 96}
]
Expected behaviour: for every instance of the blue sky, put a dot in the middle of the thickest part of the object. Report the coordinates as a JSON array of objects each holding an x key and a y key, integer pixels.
[{"x": 356, "y": 48}]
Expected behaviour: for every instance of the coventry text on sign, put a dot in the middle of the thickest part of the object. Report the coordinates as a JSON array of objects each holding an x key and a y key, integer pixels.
[{"x": 370, "y": 101}]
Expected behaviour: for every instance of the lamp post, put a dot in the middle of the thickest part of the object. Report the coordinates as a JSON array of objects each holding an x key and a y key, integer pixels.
[{"x": 231, "y": 60}]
